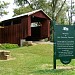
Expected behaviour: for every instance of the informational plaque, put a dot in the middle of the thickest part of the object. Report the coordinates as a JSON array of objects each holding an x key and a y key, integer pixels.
[{"x": 64, "y": 43}]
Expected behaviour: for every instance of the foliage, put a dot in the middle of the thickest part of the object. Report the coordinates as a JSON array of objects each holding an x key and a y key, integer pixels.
[
  {"x": 21, "y": 10},
  {"x": 20, "y": 2},
  {"x": 8, "y": 46},
  {"x": 33, "y": 5},
  {"x": 54, "y": 8},
  {"x": 39, "y": 4},
  {"x": 46, "y": 39},
  {"x": 3, "y": 5},
  {"x": 51, "y": 38}
]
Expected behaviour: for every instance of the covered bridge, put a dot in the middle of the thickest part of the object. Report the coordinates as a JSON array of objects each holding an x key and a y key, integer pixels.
[{"x": 33, "y": 26}]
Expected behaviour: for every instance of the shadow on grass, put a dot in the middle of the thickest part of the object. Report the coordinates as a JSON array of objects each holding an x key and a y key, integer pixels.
[
  {"x": 59, "y": 71},
  {"x": 51, "y": 71}
]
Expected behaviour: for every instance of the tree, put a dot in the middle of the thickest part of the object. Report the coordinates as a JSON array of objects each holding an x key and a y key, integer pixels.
[
  {"x": 54, "y": 8},
  {"x": 33, "y": 5},
  {"x": 22, "y": 3},
  {"x": 3, "y": 5},
  {"x": 21, "y": 10}
]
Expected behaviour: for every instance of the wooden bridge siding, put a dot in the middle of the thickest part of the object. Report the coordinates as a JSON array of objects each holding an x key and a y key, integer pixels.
[
  {"x": 45, "y": 29},
  {"x": 13, "y": 33}
]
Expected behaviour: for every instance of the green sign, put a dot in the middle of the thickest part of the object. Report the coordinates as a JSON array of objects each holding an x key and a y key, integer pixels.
[{"x": 64, "y": 43}]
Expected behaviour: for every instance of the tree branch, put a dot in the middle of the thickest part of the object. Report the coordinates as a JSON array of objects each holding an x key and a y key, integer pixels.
[
  {"x": 60, "y": 8},
  {"x": 54, "y": 3},
  {"x": 29, "y": 4}
]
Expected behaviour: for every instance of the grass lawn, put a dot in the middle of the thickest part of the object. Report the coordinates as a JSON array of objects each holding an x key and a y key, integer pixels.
[{"x": 34, "y": 60}]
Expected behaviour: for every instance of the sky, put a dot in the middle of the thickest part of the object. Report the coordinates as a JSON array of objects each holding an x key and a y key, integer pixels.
[{"x": 9, "y": 9}]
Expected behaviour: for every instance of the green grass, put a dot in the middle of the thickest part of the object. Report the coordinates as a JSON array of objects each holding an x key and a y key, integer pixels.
[{"x": 33, "y": 60}]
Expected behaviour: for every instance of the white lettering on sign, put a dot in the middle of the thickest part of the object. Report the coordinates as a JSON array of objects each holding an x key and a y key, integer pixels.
[{"x": 65, "y": 28}]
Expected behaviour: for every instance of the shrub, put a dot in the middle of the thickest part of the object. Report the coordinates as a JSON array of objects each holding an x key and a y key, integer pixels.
[
  {"x": 46, "y": 39},
  {"x": 51, "y": 38},
  {"x": 8, "y": 46},
  {"x": 27, "y": 43}
]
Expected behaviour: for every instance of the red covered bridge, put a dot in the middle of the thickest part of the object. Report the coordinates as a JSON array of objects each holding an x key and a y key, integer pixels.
[{"x": 33, "y": 26}]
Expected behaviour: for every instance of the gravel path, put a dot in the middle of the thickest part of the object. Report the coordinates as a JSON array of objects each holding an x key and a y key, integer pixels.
[{"x": 42, "y": 42}]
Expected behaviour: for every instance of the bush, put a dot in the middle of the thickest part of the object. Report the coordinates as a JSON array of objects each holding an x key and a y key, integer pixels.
[
  {"x": 46, "y": 39},
  {"x": 8, "y": 46},
  {"x": 51, "y": 37},
  {"x": 27, "y": 43}
]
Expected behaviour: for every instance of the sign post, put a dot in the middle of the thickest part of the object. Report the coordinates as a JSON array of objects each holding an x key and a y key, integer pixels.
[
  {"x": 54, "y": 59},
  {"x": 64, "y": 43},
  {"x": 54, "y": 54}
]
